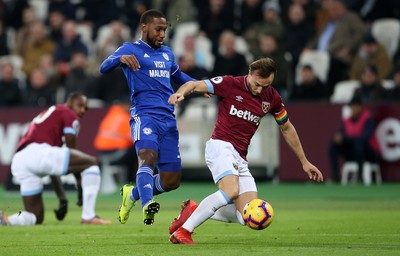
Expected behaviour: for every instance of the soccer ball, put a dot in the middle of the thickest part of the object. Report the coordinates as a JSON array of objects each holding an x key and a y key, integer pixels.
[{"x": 258, "y": 214}]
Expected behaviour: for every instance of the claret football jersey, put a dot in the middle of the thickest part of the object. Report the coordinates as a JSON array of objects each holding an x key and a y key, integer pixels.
[
  {"x": 50, "y": 126},
  {"x": 240, "y": 112}
]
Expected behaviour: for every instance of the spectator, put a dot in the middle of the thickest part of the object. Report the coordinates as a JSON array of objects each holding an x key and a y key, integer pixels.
[
  {"x": 10, "y": 93},
  {"x": 12, "y": 13},
  {"x": 214, "y": 17},
  {"x": 298, "y": 32},
  {"x": 270, "y": 48},
  {"x": 175, "y": 15},
  {"x": 114, "y": 141},
  {"x": 78, "y": 78},
  {"x": 355, "y": 139},
  {"x": 271, "y": 24},
  {"x": 340, "y": 37},
  {"x": 371, "y": 53},
  {"x": 22, "y": 34},
  {"x": 102, "y": 90},
  {"x": 310, "y": 89},
  {"x": 371, "y": 89},
  {"x": 69, "y": 44},
  {"x": 109, "y": 42},
  {"x": 46, "y": 63},
  {"x": 56, "y": 20},
  {"x": 187, "y": 64},
  {"x": 370, "y": 11},
  {"x": 39, "y": 93},
  {"x": 250, "y": 13},
  {"x": 132, "y": 10},
  {"x": 228, "y": 61},
  {"x": 99, "y": 13},
  {"x": 393, "y": 94},
  {"x": 202, "y": 56},
  {"x": 39, "y": 44},
  {"x": 310, "y": 8},
  {"x": 65, "y": 7}
]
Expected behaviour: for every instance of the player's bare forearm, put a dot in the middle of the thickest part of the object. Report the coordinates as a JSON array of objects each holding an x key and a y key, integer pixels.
[
  {"x": 186, "y": 89},
  {"x": 63, "y": 202},
  {"x": 193, "y": 86},
  {"x": 292, "y": 139},
  {"x": 58, "y": 187}
]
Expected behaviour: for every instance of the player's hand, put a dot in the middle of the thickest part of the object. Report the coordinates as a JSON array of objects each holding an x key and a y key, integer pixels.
[
  {"x": 130, "y": 61},
  {"x": 207, "y": 95},
  {"x": 313, "y": 172},
  {"x": 80, "y": 196},
  {"x": 175, "y": 98},
  {"x": 62, "y": 210}
]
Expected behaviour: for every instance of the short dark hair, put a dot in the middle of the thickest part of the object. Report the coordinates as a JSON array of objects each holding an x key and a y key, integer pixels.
[
  {"x": 148, "y": 16},
  {"x": 264, "y": 66},
  {"x": 75, "y": 95}
]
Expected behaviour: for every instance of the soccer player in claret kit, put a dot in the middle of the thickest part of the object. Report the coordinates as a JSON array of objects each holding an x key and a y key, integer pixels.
[
  {"x": 242, "y": 102},
  {"x": 149, "y": 66},
  {"x": 40, "y": 152}
]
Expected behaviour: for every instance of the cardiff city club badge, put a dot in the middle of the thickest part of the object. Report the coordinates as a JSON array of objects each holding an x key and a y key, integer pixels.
[
  {"x": 265, "y": 106},
  {"x": 165, "y": 56}
]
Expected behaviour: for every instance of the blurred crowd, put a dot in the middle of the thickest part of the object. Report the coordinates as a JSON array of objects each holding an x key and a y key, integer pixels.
[{"x": 50, "y": 48}]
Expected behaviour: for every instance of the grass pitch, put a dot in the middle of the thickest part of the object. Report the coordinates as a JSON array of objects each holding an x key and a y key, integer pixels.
[{"x": 310, "y": 219}]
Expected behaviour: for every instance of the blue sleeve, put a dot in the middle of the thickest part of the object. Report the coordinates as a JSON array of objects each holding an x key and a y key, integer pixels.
[
  {"x": 113, "y": 60},
  {"x": 180, "y": 77}
]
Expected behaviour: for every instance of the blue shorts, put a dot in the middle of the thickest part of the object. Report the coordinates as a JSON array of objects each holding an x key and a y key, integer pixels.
[{"x": 161, "y": 136}]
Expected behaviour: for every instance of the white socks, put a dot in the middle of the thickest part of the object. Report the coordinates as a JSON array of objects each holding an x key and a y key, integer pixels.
[
  {"x": 23, "y": 218},
  {"x": 90, "y": 189},
  {"x": 228, "y": 213},
  {"x": 206, "y": 209}
]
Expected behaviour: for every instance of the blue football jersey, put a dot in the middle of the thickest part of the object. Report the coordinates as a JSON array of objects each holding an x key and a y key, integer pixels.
[{"x": 150, "y": 86}]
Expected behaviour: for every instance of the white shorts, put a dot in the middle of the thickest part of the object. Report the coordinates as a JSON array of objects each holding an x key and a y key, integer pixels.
[
  {"x": 35, "y": 161},
  {"x": 222, "y": 159}
]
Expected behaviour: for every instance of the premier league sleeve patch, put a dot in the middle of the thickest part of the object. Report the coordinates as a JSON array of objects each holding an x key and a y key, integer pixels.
[{"x": 217, "y": 80}]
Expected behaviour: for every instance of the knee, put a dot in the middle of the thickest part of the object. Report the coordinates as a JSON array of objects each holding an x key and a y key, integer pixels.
[
  {"x": 169, "y": 185},
  {"x": 232, "y": 194}
]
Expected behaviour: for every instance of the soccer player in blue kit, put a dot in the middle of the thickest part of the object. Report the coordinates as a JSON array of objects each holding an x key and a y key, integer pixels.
[{"x": 148, "y": 66}]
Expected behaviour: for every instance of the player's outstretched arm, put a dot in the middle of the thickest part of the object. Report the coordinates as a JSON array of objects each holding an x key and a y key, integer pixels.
[
  {"x": 186, "y": 89},
  {"x": 292, "y": 139}
]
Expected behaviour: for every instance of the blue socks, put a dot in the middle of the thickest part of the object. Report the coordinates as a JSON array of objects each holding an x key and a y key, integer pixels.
[{"x": 147, "y": 185}]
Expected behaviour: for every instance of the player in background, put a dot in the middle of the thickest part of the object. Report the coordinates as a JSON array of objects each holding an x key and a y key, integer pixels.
[
  {"x": 242, "y": 102},
  {"x": 148, "y": 66},
  {"x": 40, "y": 152}
]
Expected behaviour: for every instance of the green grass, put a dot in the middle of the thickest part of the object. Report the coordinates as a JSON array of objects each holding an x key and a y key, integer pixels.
[{"x": 309, "y": 219}]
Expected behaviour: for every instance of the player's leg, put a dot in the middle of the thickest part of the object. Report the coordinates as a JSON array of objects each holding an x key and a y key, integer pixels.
[
  {"x": 33, "y": 213},
  {"x": 25, "y": 166},
  {"x": 248, "y": 192},
  {"x": 145, "y": 184},
  {"x": 228, "y": 190},
  {"x": 228, "y": 185},
  {"x": 34, "y": 204},
  {"x": 169, "y": 160},
  {"x": 220, "y": 158},
  {"x": 88, "y": 168}
]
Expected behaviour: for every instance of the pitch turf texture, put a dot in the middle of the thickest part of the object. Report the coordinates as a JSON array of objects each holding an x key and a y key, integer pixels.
[{"x": 310, "y": 219}]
